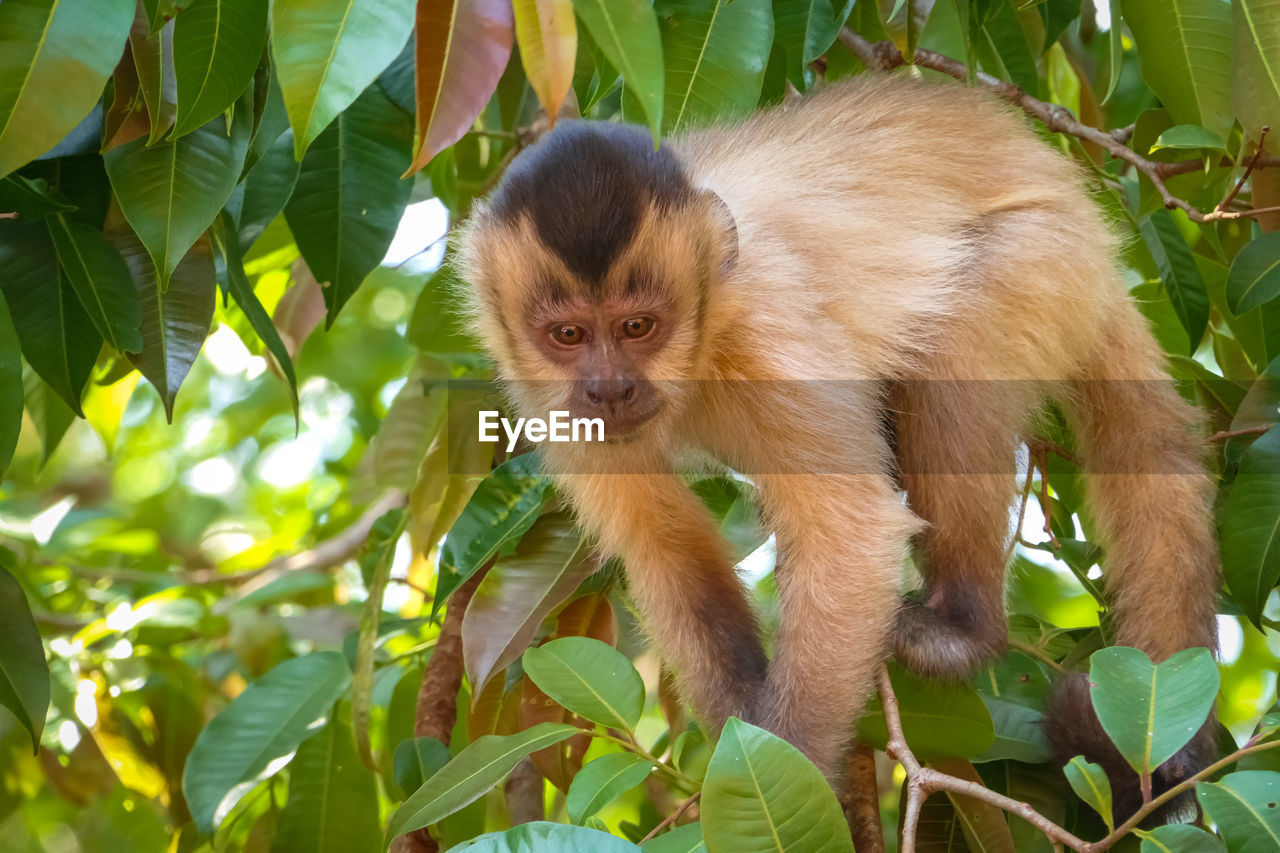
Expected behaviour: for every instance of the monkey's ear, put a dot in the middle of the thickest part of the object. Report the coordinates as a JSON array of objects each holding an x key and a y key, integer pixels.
[{"x": 725, "y": 228}]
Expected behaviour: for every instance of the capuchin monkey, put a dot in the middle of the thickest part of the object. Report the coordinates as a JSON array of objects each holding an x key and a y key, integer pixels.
[{"x": 767, "y": 293}]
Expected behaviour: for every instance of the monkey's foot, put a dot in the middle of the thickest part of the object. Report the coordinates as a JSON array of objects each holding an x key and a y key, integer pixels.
[{"x": 941, "y": 646}]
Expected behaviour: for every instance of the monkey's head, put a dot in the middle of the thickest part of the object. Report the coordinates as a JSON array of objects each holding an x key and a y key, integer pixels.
[{"x": 591, "y": 267}]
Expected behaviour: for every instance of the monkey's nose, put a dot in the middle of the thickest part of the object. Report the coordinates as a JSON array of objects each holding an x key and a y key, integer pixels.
[{"x": 611, "y": 395}]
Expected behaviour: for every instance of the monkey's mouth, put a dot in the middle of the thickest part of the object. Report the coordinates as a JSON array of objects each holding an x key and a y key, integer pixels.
[{"x": 629, "y": 425}]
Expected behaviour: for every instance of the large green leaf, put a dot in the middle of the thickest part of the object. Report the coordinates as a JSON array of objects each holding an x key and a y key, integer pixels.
[
  {"x": 152, "y": 49},
  {"x": 545, "y": 836},
  {"x": 1179, "y": 838},
  {"x": 327, "y": 52},
  {"x": 1091, "y": 784},
  {"x": 57, "y": 336},
  {"x": 1254, "y": 278},
  {"x": 682, "y": 839},
  {"x": 55, "y": 57},
  {"x": 253, "y": 736},
  {"x": 939, "y": 720},
  {"x": 101, "y": 280},
  {"x": 176, "y": 321},
  {"x": 1251, "y": 525},
  {"x": 805, "y": 29},
  {"x": 31, "y": 198},
  {"x": 1185, "y": 48},
  {"x": 761, "y": 794},
  {"x": 172, "y": 191},
  {"x": 417, "y": 759},
  {"x": 473, "y": 771},
  {"x": 216, "y": 46},
  {"x": 626, "y": 31},
  {"x": 10, "y": 386},
  {"x": 602, "y": 781},
  {"x": 333, "y": 798},
  {"x": 1255, "y": 67},
  {"x": 24, "y": 674},
  {"x": 349, "y": 197},
  {"x": 590, "y": 678},
  {"x": 1178, "y": 271},
  {"x": 519, "y": 592},
  {"x": 1244, "y": 808},
  {"x": 501, "y": 509},
  {"x": 1150, "y": 711},
  {"x": 715, "y": 53},
  {"x": 265, "y": 189}
]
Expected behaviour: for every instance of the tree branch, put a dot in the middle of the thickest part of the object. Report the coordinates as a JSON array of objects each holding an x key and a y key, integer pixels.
[
  {"x": 861, "y": 801},
  {"x": 673, "y": 817},
  {"x": 884, "y": 56}
]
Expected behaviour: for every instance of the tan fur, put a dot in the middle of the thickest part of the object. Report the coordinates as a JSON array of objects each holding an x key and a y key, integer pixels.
[{"x": 919, "y": 240}]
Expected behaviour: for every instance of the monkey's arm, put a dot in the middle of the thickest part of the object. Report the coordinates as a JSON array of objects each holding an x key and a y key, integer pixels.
[{"x": 682, "y": 580}]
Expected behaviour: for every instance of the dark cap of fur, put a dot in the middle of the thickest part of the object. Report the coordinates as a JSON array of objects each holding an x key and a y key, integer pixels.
[{"x": 585, "y": 187}]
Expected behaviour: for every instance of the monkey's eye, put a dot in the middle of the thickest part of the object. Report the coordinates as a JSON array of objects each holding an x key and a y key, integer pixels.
[
  {"x": 568, "y": 334},
  {"x": 637, "y": 327}
]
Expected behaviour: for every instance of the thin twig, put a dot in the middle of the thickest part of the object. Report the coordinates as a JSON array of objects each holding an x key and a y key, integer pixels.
[
  {"x": 884, "y": 56},
  {"x": 1248, "y": 170},
  {"x": 1234, "y": 433},
  {"x": 673, "y": 817}
]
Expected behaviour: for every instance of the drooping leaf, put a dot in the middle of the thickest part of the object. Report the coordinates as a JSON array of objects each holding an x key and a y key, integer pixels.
[
  {"x": 333, "y": 798},
  {"x": 461, "y": 48},
  {"x": 682, "y": 839},
  {"x": 473, "y": 771},
  {"x": 1185, "y": 49},
  {"x": 175, "y": 322},
  {"x": 1182, "y": 282},
  {"x": 126, "y": 119},
  {"x": 152, "y": 49},
  {"x": 1254, "y": 278},
  {"x": 903, "y": 23},
  {"x": 1150, "y": 711},
  {"x": 259, "y": 731},
  {"x": 54, "y": 60},
  {"x": 266, "y": 189},
  {"x": 326, "y": 52},
  {"x": 542, "y": 835},
  {"x": 503, "y": 507},
  {"x": 10, "y": 386},
  {"x": 548, "y": 37},
  {"x": 349, "y": 198},
  {"x": 172, "y": 191},
  {"x": 1255, "y": 66},
  {"x": 716, "y": 54},
  {"x": 1188, "y": 137},
  {"x": 602, "y": 781},
  {"x": 1091, "y": 784},
  {"x": 761, "y": 794},
  {"x": 51, "y": 416},
  {"x": 1251, "y": 525},
  {"x": 24, "y": 674},
  {"x": 216, "y": 45},
  {"x": 939, "y": 720},
  {"x": 101, "y": 280},
  {"x": 626, "y": 31},
  {"x": 1244, "y": 807},
  {"x": 375, "y": 566},
  {"x": 1115, "y": 50},
  {"x": 1179, "y": 838},
  {"x": 58, "y": 338},
  {"x": 31, "y": 198},
  {"x": 982, "y": 824},
  {"x": 417, "y": 759},
  {"x": 589, "y": 678}
]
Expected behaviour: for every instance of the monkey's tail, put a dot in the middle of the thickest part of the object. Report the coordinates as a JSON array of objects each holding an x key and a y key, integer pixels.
[{"x": 1143, "y": 452}]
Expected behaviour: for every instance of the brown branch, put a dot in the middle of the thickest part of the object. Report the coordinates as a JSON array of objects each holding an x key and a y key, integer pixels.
[
  {"x": 673, "y": 817},
  {"x": 524, "y": 794},
  {"x": 1248, "y": 170},
  {"x": 861, "y": 800},
  {"x": 10, "y": 215},
  {"x": 884, "y": 56},
  {"x": 1234, "y": 433}
]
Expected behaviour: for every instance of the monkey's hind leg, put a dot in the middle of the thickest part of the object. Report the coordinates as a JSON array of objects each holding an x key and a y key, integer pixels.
[{"x": 957, "y": 442}]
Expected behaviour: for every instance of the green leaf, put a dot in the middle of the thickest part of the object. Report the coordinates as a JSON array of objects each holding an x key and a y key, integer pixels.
[
  {"x": 761, "y": 794},
  {"x": 259, "y": 731},
  {"x": 682, "y": 839},
  {"x": 175, "y": 322},
  {"x": 31, "y": 198},
  {"x": 1091, "y": 784},
  {"x": 590, "y": 678},
  {"x": 1245, "y": 807},
  {"x": 333, "y": 798},
  {"x": 58, "y": 338},
  {"x": 902, "y": 23},
  {"x": 172, "y": 191},
  {"x": 416, "y": 760},
  {"x": 503, "y": 507},
  {"x": 939, "y": 720},
  {"x": 375, "y": 565},
  {"x": 152, "y": 46},
  {"x": 24, "y": 674},
  {"x": 544, "y": 836},
  {"x": 349, "y": 198},
  {"x": 1251, "y": 525},
  {"x": 521, "y": 590},
  {"x": 1019, "y": 732},
  {"x": 326, "y": 52},
  {"x": 101, "y": 280},
  {"x": 54, "y": 60},
  {"x": 602, "y": 781},
  {"x": 266, "y": 189},
  {"x": 805, "y": 29},
  {"x": 10, "y": 386},
  {"x": 1178, "y": 271},
  {"x": 715, "y": 54},
  {"x": 626, "y": 31},
  {"x": 1188, "y": 136},
  {"x": 216, "y": 46},
  {"x": 1179, "y": 838},
  {"x": 1255, "y": 66},
  {"x": 1150, "y": 711},
  {"x": 1115, "y": 50},
  {"x": 1008, "y": 44},
  {"x": 49, "y": 413},
  {"x": 1185, "y": 49},
  {"x": 473, "y": 771},
  {"x": 1254, "y": 278}
]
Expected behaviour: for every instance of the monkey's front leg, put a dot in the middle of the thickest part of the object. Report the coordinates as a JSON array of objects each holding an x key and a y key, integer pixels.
[
  {"x": 694, "y": 608},
  {"x": 841, "y": 541}
]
